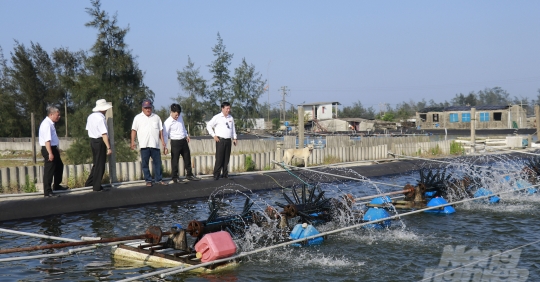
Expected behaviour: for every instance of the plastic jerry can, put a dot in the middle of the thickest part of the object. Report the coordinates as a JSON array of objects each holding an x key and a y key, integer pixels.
[{"x": 214, "y": 246}]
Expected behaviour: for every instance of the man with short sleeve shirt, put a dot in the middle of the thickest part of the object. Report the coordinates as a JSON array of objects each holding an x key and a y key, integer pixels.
[
  {"x": 148, "y": 129},
  {"x": 175, "y": 130},
  {"x": 221, "y": 127},
  {"x": 99, "y": 141},
  {"x": 53, "y": 167}
]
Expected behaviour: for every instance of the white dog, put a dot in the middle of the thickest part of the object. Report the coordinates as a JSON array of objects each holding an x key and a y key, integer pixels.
[{"x": 297, "y": 153}]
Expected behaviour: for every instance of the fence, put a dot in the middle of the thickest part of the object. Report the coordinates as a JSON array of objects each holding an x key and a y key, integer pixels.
[
  {"x": 261, "y": 151},
  {"x": 208, "y": 146},
  {"x": 422, "y": 148},
  {"x": 15, "y": 178}
]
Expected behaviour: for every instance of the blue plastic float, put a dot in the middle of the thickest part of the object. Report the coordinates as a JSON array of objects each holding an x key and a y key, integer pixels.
[
  {"x": 437, "y": 202},
  {"x": 485, "y": 192},
  {"x": 376, "y": 214},
  {"x": 381, "y": 200},
  {"x": 302, "y": 231},
  {"x": 430, "y": 194},
  {"x": 522, "y": 184}
]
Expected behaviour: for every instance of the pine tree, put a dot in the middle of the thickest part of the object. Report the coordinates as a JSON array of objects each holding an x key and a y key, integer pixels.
[
  {"x": 195, "y": 87},
  {"x": 220, "y": 70}
]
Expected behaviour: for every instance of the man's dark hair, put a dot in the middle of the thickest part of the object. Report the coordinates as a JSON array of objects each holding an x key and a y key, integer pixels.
[
  {"x": 225, "y": 104},
  {"x": 175, "y": 108}
]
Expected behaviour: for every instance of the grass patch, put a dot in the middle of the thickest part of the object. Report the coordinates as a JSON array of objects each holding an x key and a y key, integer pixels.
[
  {"x": 9, "y": 158},
  {"x": 456, "y": 148},
  {"x": 10, "y": 189},
  {"x": 79, "y": 181},
  {"x": 331, "y": 160},
  {"x": 436, "y": 151},
  {"x": 249, "y": 164},
  {"x": 29, "y": 186}
]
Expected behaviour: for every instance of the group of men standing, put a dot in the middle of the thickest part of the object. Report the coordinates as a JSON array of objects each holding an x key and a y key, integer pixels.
[{"x": 151, "y": 134}]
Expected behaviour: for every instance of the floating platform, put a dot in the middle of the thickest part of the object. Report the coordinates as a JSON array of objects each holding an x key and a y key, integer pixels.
[{"x": 140, "y": 252}]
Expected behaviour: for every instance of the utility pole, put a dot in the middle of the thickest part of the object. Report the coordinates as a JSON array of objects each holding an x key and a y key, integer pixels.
[
  {"x": 382, "y": 109},
  {"x": 33, "y": 126},
  {"x": 283, "y": 102},
  {"x": 65, "y": 115},
  {"x": 268, "y": 88}
]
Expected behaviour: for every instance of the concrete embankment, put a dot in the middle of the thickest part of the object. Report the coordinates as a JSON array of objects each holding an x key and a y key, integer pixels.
[{"x": 83, "y": 200}]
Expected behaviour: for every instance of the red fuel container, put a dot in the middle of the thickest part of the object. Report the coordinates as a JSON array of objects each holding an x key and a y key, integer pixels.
[{"x": 215, "y": 246}]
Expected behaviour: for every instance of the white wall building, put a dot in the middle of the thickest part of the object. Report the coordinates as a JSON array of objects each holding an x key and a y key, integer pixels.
[{"x": 321, "y": 110}]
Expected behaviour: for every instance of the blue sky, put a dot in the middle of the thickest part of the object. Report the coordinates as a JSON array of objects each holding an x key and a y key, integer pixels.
[{"x": 347, "y": 51}]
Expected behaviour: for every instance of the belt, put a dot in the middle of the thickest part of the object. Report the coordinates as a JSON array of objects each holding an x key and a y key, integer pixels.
[
  {"x": 178, "y": 139},
  {"x": 224, "y": 138},
  {"x": 97, "y": 138},
  {"x": 51, "y": 146}
]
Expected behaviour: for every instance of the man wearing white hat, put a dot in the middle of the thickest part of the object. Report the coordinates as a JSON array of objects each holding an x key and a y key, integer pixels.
[{"x": 99, "y": 141}]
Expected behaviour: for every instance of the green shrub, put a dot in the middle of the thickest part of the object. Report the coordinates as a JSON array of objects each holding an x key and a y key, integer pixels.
[
  {"x": 79, "y": 181},
  {"x": 456, "y": 148},
  {"x": 275, "y": 123},
  {"x": 436, "y": 151},
  {"x": 29, "y": 186},
  {"x": 79, "y": 152},
  {"x": 249, "y": 165},
  {"x": 124, "y": 152}
]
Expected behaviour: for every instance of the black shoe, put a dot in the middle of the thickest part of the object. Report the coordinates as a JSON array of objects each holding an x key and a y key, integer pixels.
[
  {"x": 216, "y": 178},
  {"x": 102, "y": 189},
  {"x": 175, "y": 180},
  {"x": 52, "y": 196},
  {"x": 192, "y": 178},
  {"x": 60, "y": 188},
  {"x": 225, "y": 176}
]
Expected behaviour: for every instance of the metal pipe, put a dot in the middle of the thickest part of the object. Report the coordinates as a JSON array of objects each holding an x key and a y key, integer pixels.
[
  {"x": 391, "y": 198},
  {"x": 385, "y": 194},
  {"x": 72, "y": 244},
  {"x": 38, "y": 235},
  {"x": 61, "y": 254}
]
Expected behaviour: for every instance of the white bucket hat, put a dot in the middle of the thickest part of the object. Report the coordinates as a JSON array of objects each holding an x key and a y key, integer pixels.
[{"x": 102, "y": 105}]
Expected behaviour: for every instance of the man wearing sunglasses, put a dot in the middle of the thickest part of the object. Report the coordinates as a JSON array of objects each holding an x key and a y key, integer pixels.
[{"x": 221, "y": 127}]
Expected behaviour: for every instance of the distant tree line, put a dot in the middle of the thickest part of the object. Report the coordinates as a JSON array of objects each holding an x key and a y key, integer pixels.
[
  {"x": 32, "y": 79},
  {"x": 405, "y": 110},
  {"x": 35, "y": 79}
]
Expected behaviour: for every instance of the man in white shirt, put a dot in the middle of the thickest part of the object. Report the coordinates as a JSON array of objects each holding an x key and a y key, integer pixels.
[
  {"x": 53, "y": 167},
  {"x": 99, "y": 141},
  {"x": 148, "y": 129},
  {"x": 174, "y": 129},
  {"x": 221, "y": 127}
]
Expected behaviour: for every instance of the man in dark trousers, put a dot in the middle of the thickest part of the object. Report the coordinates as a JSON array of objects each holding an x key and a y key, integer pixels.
[
  {"x": 96, "y": 126},
  {"x": 148, "y": 129},
  {"x": 53, "y": 167},
  {"x": 221, "y": 127},
  {"x": 174, "y": 129}
]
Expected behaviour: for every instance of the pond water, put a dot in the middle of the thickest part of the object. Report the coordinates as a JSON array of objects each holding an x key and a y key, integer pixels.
[{"x": 413, "y": 248}]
